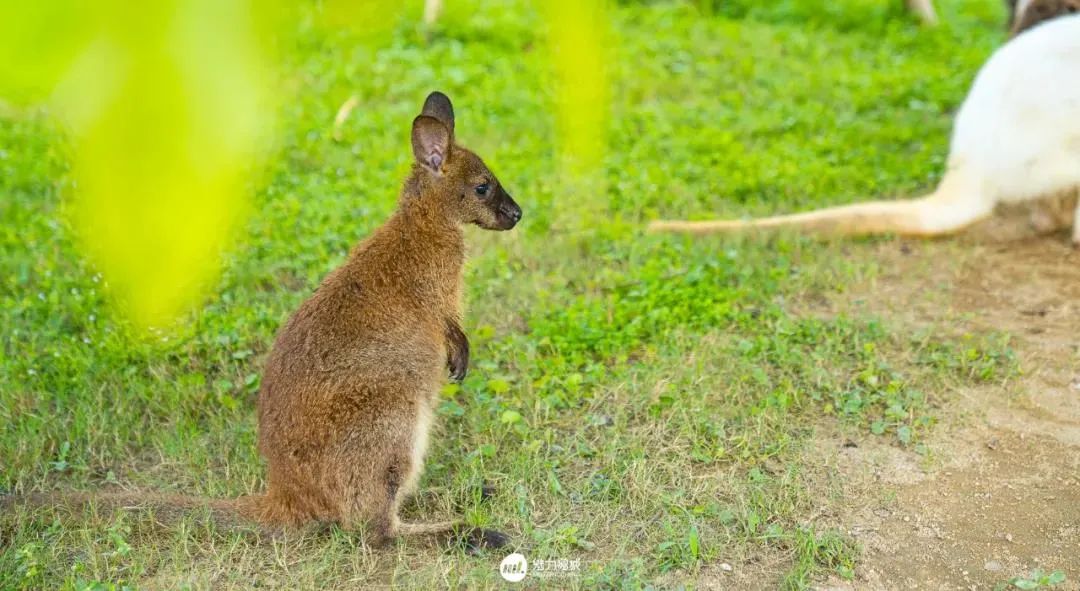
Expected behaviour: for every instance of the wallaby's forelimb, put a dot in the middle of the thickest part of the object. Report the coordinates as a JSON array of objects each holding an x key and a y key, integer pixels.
[{"x": 457, "y": 345}]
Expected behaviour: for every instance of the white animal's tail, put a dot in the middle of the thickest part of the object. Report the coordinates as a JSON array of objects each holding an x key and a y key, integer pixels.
[{"x": 951, "y": 207}]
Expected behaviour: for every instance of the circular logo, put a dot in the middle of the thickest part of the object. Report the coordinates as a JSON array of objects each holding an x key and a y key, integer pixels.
[{"x": 513, "y": 567}]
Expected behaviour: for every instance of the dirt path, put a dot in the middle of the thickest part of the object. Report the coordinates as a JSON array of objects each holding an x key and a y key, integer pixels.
[{"x": 1003, "y": 496}]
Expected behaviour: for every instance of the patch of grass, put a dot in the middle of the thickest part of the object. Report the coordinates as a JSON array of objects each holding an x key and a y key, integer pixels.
[
  {"x": 1037, "y": 579},
  {"x": 639, "y": 402}
]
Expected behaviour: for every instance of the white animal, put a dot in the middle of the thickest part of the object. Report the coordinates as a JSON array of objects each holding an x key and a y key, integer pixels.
[{"x": 1016, "y": 138}]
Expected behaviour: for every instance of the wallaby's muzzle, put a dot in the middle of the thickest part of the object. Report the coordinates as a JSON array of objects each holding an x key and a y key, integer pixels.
[{"x": 507, "y": 211}]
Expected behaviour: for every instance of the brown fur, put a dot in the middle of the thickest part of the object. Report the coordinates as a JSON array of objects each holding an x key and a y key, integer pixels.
[{"x": 350, "y": 386}]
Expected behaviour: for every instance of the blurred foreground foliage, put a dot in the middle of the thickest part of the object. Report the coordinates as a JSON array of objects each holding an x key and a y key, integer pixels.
[
  {"x": 168, "y": 107},
  {"x": 170, "y": 110}
]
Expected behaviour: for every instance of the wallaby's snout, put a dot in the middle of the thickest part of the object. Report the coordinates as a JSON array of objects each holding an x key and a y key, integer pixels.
[{"x": 507, "y": 211}]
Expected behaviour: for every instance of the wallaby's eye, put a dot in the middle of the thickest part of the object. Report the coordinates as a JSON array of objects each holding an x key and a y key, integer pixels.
[{"x": 482, "y": 189}]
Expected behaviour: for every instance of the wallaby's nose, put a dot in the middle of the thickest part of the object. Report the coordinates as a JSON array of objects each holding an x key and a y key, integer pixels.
[{"x": 511, "y": 209}]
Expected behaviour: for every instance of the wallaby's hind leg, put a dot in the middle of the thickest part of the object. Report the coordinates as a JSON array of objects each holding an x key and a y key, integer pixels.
[
  {"x": 387, "y": 526},
  {"x": 375, "y": 496},
  {"x": 474, "y": 538}
]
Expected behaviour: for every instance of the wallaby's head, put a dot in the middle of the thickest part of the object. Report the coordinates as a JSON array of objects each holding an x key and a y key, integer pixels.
[
  {"x": 467, "y": 190},
  {"x": 1025, "y": 14}
]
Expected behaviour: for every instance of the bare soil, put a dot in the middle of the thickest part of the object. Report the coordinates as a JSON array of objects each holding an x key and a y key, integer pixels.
[{"x": 1000, "y": 494}]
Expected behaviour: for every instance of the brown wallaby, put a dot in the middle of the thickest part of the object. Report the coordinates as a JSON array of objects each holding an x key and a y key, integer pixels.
[
  {"x": 350, "y": 387},
  {"x": 1016, "y": 138},
  {"x": 351, "y": 383}
]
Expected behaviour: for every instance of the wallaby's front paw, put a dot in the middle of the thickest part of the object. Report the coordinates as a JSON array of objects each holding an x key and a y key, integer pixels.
[
  {"x": 457, "y": 359},
  {"x": 459, "y": 367}
]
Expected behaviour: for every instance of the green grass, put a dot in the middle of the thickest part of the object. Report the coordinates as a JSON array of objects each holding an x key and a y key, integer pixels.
[{"x": 641, "y": 403}]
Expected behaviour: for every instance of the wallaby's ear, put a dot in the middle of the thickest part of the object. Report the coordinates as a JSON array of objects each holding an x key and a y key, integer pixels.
[
  {"x": 438, "y": 106},
  {"x": 1012, "y": 11},
  {"x": 430, "y": 142}
]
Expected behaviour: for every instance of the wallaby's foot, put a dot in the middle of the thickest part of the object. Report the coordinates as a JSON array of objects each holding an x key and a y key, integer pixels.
[{"x": 477, "y": 539}]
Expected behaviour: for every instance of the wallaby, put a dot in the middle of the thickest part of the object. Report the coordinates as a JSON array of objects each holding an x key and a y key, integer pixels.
[
  {"x": 1016, "y": 138},
  {"x": 351, "y": 383}
]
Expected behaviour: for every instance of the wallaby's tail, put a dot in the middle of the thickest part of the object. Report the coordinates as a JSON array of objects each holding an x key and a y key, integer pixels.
[
  {"x": 944, "y": 211},
  {"x": 229, "y": 512}
]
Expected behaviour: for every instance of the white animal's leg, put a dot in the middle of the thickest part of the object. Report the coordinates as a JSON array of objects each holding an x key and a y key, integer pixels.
[
  {"x": 1076, "y": 225},
  {"x": 432, "y": 8},
  {"x": 1052, "y": 214},
  {"x": 925, "y": 10}
]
